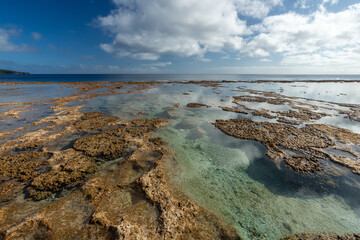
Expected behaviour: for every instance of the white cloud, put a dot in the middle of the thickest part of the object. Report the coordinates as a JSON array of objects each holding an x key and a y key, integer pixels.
[
  {"x": 7, "y": 46},
  {"x": 145, "y": 56},
  {"x": 146, "y": 30},
  {"x": 321, "y": 37},
  {"x": 256, "y": 8},
  {"x": 265, "y": 60},
  {"x": 36, "y": 35},
  {"x": 158, "y": 64}
]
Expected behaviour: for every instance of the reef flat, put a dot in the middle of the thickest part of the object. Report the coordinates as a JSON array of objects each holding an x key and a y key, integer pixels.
[{"x": 116, "y": 160}]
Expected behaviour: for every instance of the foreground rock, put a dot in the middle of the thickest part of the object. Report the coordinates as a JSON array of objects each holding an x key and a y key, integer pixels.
[
  {"x": 109, "y": 185},
  {"x": 301, "y": 148},
  {"x": 322, "y": 236},
  {"x": 196, "y": 105}
]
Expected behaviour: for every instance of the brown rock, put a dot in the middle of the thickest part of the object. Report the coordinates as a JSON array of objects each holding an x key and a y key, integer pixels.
[
  {"x": 236, "y": 110},
  {"x": 8, "y": 190},
  {"x": 196, "y": 105}
]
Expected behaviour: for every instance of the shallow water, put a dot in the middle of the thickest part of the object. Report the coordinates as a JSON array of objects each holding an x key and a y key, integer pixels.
[
  {"x": 237, "y": 181},
  {"x": 232, "y": 177}
]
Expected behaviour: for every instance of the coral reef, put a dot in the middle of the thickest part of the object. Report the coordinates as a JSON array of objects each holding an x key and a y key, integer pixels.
[
  {"x": 322, "y": 236},
  {"x": 129, "y": 199},
  {"x": 196, "y": 105},
  {"x": 281, "y": 140},
  {"x": 236, "y": 110}
]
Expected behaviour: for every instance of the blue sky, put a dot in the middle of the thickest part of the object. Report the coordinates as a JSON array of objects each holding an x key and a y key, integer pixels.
[{"x": 181, "y": 36}]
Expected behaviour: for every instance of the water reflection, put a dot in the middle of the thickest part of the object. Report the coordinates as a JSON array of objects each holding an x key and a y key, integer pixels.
[{"x": 233, "y": 177}]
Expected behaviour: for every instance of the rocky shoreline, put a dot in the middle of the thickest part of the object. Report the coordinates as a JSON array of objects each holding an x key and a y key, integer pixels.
[{"x": 109, "y": 182}]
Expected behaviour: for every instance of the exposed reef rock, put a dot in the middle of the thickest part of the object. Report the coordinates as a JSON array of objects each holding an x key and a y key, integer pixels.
[
  {"x": 322, "y": 236},
  {"x": 104, "y": 145},
  {"x": 8, "y": 190},
  {"x": 298, "y": 115},
  {"x": 106, "y": 178},
  {"x": 263, "y": 113},
  {"x": 288, "y": 121},
  {"x": 91, "y": 121},
  {"x": 126, "y": 198},
  {"x": 69, "y": 170},
  {"x": 236, "y": 110},
  {"x": 275, "y": 101},
  {"x": 282, "y": 140},
  {"x": 196, "y": 105},
  {"x": 22, "y": 166},
  {"x": 303, "y": 115}
]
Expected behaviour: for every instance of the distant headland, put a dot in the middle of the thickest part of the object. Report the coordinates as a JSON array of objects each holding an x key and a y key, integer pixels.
[{"x": 2, "y": 71}]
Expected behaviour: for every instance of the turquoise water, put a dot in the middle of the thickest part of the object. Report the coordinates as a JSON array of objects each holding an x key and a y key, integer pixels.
[
  {"x": 237, "y": 181},
  {"x": 232, "y": 177}
]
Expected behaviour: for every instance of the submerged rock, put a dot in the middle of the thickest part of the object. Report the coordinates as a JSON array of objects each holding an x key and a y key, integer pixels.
[
  {"x": 187, "y": 124},
  {"x": 196, "y": 133}
]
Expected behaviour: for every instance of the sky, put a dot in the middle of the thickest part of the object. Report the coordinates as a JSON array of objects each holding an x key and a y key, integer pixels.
[{"x": 181, "y": 36}]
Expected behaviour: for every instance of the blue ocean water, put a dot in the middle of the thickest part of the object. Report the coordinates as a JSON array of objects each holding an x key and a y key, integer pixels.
[{"x": 167, "y": 77}]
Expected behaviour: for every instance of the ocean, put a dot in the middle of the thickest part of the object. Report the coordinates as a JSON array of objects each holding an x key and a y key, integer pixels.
[{"x": 167, "y": 77}]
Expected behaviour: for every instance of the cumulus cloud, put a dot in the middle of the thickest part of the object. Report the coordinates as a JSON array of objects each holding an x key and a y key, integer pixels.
[
  {"x": 256, "y": 8},
  {"x": 146, "y": 30},
  {"x": 7, "y": 46},
  {"x": 36, "y": 35},
  {"x": 158, "y": 64},
  {"x": 322, "y": 37}
]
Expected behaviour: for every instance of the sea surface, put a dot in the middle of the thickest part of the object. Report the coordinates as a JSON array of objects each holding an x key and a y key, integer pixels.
[
  {"x": 230, "y": 177},
  {"x": 166, "y": 77}
]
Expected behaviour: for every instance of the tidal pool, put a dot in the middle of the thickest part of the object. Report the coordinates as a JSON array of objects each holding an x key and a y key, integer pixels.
[{"x": 231, "y": 177}]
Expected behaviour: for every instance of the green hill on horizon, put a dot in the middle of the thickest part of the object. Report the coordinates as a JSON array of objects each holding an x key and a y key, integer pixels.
[{"x": 4, "y": 71}]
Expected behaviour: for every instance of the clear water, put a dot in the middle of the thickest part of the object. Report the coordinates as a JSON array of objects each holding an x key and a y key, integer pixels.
[{"x": 232, "y": 177}]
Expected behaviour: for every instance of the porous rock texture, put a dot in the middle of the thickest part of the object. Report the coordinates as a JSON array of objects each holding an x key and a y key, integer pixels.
[{"x": 309, "y": 143}]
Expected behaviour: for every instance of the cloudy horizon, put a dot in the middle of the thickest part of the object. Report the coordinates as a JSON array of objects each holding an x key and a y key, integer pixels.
[{"x": 173, "y": 36}]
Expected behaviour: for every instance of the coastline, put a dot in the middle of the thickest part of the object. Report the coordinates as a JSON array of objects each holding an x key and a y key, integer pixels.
[{"x": 94, "y": 191}]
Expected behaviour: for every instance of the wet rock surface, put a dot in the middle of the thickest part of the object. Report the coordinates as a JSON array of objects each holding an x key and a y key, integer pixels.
[
  {"x": 128, "y": 199},
  {"x": 322, "y": 236},
  {"x": 236, "y": 110},
  {"x": 196, "y": 105},
  {"x": 107, "y": 184},
  {"x": 310, "y": 141}
]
